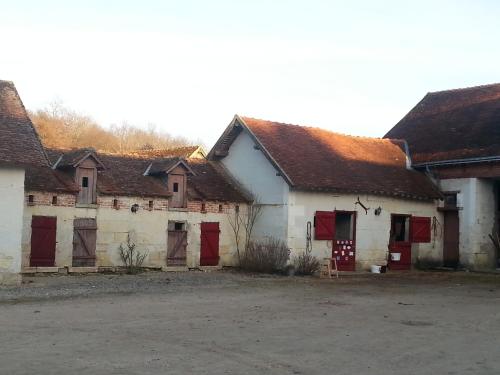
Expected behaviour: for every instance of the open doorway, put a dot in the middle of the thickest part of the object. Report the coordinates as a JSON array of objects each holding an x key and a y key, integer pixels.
[
  {"x": 399, "y": 243},
  {"x": 344, "y": 242}
]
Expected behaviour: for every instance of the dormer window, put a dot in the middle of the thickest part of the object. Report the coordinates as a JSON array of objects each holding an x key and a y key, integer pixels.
[
  {"x": 175, "y": 171},
  {"x": 83, "y": 163}
]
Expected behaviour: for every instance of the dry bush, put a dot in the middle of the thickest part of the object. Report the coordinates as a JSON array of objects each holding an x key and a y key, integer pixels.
[
  {"x": 132, "y": 258},
  {"x": 306, "y": 264},
  {"x": 267, "y": 256}
]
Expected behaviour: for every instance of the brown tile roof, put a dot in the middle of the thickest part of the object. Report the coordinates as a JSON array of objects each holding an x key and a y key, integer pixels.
[
  {"x": 39, "y": 178},
  {"x": 453, "y": 124},
  {"x": 19, "y": 143},
  {"x": 73, "y": 157},
  {"x": 314, "y": 159},
  {"x": 180, "y": 152},
  {"x": 124, "y": 175},
  {"x": 212, "y": 183}
]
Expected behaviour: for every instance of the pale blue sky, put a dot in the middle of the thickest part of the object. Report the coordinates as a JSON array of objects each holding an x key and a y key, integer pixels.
[{"x": 189, "y": 66}]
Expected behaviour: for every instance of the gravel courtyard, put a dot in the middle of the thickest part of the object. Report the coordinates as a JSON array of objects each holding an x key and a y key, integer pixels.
[{"x": 231, "y": 323}]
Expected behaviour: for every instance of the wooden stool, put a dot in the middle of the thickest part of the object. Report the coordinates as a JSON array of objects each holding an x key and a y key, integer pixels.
[{"x": 326, "y": 269}]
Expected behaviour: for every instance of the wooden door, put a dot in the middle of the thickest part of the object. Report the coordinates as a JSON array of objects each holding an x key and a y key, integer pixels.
[
  {"x": 176, "y": 248},
  {"x": 84, "y": 242},
  {"x": 177, "y": 187},
  {"x": 209, "y": 252},
  {"x": 85, "y": 178},
  {"x": 43, "y": 241},
  {"x": 451, "y": 239}
]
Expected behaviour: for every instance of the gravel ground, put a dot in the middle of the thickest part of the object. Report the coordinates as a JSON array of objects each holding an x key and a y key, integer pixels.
[{"x": 232, "y": 323}]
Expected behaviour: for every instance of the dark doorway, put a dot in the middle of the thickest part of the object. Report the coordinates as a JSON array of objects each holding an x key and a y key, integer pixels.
[
  {"x": 451, "y": 239},
  {"x": 43, "y": 241}
]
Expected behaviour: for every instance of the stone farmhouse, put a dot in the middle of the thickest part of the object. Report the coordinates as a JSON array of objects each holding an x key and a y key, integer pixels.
[
  {"x": 427, "y": 194},
  {"x": 360, "y": 198},
  {"x": 454, "y": 137}
]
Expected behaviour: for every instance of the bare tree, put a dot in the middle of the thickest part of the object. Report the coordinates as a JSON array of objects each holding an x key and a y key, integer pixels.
[
  {"x": 245, "y": 223},
  {"x": 60, "y": 127}
]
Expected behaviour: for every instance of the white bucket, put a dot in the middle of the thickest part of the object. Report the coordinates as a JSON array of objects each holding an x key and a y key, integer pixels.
[
  {"x": 395, "y": 257},
  {"x": 375, "y": 269}
]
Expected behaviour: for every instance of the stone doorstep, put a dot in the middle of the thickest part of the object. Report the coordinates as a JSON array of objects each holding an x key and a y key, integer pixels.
[
  {"x": 175, "y": 269},
  {"x": 209, "y": 268},
  {"x": 83, "y": 269},
  {"x": 44, "y": 270}
]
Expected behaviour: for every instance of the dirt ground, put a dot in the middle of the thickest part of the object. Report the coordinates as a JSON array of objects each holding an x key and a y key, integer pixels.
[{"x": 230, "y": 323}]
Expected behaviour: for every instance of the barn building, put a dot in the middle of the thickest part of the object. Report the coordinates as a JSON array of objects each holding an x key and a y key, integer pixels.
[
  {"x": 362, "y": 199},
  {"x": 454, "y": 137}
]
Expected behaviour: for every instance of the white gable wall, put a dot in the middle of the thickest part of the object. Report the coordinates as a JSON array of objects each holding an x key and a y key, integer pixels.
[
  {"x": 11, "y": 223},
  {"x": 256, "y": 174},
  {"x": 372, "y": 232}
]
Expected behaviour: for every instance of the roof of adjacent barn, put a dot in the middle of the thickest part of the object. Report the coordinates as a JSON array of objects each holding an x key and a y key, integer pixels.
[
  {"x": 313, "y": 159},
  {"x": 453, "y": 125},
  {"x": 185, "y": 152},
  {"x": 125, "y": 175},
  {"x": 19, "y": 142}
]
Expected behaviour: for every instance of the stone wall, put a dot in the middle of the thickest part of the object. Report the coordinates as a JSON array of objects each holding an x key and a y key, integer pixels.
[
  {"x": 372, "y": 231},
  {"x": 147, "y": 227},
  {"x": 11, "y": 221}
]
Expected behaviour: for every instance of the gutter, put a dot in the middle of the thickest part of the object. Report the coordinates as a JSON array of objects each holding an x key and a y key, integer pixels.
[{"x": 458, "y": 161}]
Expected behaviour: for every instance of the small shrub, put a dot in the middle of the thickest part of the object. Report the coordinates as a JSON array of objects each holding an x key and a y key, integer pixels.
[
  {"x": 306, "y": 264},
  {"x": 132, "y": 259},
  {"x": 267, "y": 256}
]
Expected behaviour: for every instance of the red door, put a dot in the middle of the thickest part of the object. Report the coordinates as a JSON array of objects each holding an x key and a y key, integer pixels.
[
  {"x": 344, "y": 241},
  {"x": 400, "y": 243},
  {"x": 43, "y": 241},
  {"x": 209, "y": 252}
]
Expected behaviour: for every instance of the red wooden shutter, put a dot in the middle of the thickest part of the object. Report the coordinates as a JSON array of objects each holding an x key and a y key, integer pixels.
[
  {"x": 324, "y": 225},
  {"x": 420, "y": 229}
]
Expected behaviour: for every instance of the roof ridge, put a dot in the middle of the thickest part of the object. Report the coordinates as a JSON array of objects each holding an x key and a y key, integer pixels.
[
  {"x": 321, "y": 129},
  {"x": 465, "y": 88}
]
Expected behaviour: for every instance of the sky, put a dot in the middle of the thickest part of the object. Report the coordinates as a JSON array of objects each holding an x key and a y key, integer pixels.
[{"x": 187, "y": 66}]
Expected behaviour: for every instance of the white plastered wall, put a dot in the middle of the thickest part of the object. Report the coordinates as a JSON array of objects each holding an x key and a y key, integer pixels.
[
  {"x": 476, "y": 198},
  {"x": 11, "y": 221},
  {"x": 255, "y": 173},
  {"x": 372, "y": 232},
  {"x": 148, "y": 229}
]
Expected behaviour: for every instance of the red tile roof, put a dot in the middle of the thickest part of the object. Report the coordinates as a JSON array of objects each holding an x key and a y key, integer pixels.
[
  {"x": 181, "y": 152},
  {"x": 124, "y": 175},
  {"x": 453, "y": 124},
  {"x": 314, "y": 159},
  {"x": 19, "y": 142}
]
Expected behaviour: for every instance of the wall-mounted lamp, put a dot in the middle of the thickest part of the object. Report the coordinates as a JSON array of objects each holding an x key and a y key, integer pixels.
[{"x": 377, "y": 211}]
